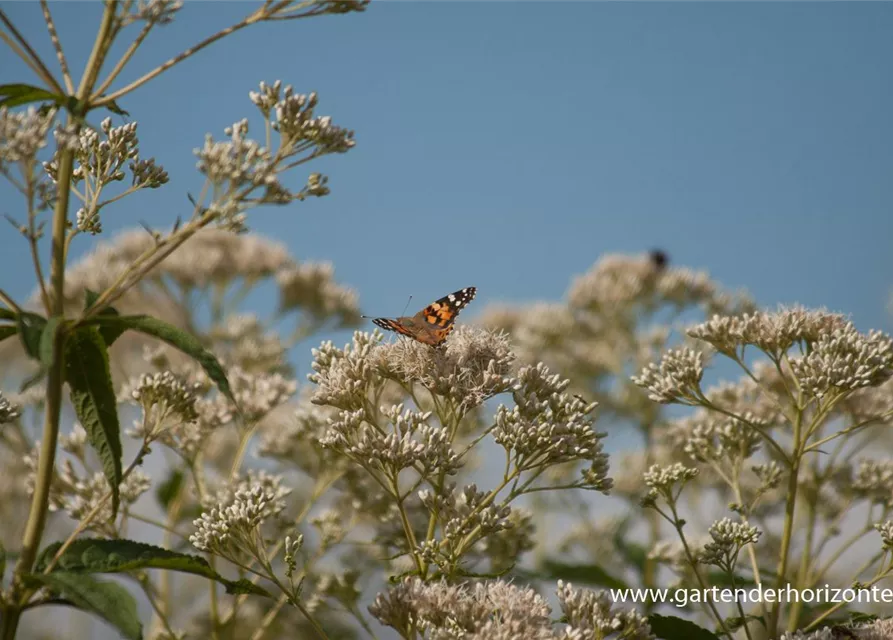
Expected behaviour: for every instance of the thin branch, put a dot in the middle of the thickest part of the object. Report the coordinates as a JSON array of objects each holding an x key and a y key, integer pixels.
[
  {"x": 102, "y": 101},
  {"x": 31, "y": 59},
  {"x": 119, "y": 67},
  {"x": 9, "y": 302},
  {"x": 57, "y": 45}
]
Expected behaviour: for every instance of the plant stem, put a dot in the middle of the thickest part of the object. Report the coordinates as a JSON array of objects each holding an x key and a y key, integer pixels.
[
  {"x": 57, "y": 45},
  {"x": 55, "y": 377},
  {"x": 788, "y": 532}
]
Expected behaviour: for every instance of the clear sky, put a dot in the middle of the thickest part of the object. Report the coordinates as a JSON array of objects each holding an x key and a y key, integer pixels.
[{"x": 509, "y": 144}]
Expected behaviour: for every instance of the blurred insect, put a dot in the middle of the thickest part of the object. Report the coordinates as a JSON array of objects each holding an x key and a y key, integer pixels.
[{"x": 659, "y": 259}]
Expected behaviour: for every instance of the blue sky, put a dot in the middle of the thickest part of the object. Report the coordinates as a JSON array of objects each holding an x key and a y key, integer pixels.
[{"x": 509, "y": 144}]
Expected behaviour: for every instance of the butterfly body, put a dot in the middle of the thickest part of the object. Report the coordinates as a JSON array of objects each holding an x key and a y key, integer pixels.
[{"x": 434, "y": 323}]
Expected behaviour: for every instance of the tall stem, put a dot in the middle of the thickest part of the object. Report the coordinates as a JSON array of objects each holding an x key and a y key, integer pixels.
[
  {"x": 55, "y": 376},
  {"x": 790, "y": 508},
  {"x": 37, "y": 516}
]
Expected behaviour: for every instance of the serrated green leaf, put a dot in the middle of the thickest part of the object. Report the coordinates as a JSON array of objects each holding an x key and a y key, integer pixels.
[
  {"x": 673, "y": 628},
  {"x": 30, "y": 329},
  {"x": 14, "y": 95},
  {"x": 47, "y": 340},
  {"x": 170, "y": 488},
  {"x": 243, "y": 587},
  {"x": 93, "y": 396},
  {"x": 108, "y": 600},
  {"x": 7, "y": 331},
  {"x": 591, "y": 574},
  {"x": 109, "y": 335},
  {"x": 177, "y": 338},
  {"x": 99, "y": 555}
]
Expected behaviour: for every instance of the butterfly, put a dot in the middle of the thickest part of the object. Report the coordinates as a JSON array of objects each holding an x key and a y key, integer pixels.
[{"x": 432, "y": 324}]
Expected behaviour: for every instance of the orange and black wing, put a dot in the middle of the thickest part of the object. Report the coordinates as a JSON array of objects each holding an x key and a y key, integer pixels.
[
  {"x": 393, "y": 325},
  {"x": 439, "y": 317}
]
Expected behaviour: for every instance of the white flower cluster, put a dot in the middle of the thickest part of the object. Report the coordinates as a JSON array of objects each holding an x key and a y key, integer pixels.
[
  {"x": 464, "y": 518},
  {"x": 8, "y": 411},
  {"x": 311, "y": 287},
  {"x": 23, "y": 134},
  {"x": 242, "y": 340},
  {"x": 821, "y": 634},
  {"x": 676, "y": 379},
  {"x": 548, "y": 427},
  {"x": 409, "y": 444},
  {"x": 845, "y": 360},
  {"x": 617, "y": 282},
  {"x": 163, "y": 396},
  {"x": 667, "y": 481},
  {"x": 474, "y": 365},
  {"x": 79, "y": 495},
  {"x": 873, "y": 480},
  {"x": 708, "y": 437},
  {"x": 773, "y": 333},
  {"x": 257, "y": 393},
  {"x": 296, "y": 122},
  {"x": 728, "y": 539},
  {"x": 240, "y": 165},
  {"x": 343, "y": 376},
  {"x": 592, "y": 614},
  {"x": 230, "y": 527},
  {"x": 500, "y": 611},
  {"x": 886, "y": 531}
]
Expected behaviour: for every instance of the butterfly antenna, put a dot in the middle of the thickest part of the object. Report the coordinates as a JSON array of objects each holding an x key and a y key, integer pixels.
[{"x": 404, "y": 310}]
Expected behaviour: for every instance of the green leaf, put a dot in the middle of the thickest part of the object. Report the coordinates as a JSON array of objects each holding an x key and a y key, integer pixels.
[
  {"x": 108, "y": 600},
  {"x": 47, "y": 340},
  {"x": 673, "y": 628},
  {"x": 90, "y": 380},
  {"x": 2, "y": 561},
  {"x": 7, "y": 331},
  {"x": 14, "y": 95},
  {"x": 30, "y": 326},
  {"x": 591, "y": 574},
  {"x": 109, "y": 335},
  {"x": 170, "y": 488},
  {"x": 177, "y": 338},
  {"x": 99, "y": 555}
]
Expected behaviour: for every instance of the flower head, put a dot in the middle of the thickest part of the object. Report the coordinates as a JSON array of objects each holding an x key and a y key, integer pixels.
[
  {"x": 676, "y": 379},
  {"x": 845, "y": 360},
  {"x": 728, "y": 540},
  {"x": 230, "y": 527},
  {"x": 8, "y": 411},
  {"x": 548, "y": 427}
]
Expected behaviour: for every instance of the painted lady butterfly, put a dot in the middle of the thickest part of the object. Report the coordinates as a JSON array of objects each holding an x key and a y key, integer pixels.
[{"x": 432, "y": 324}]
